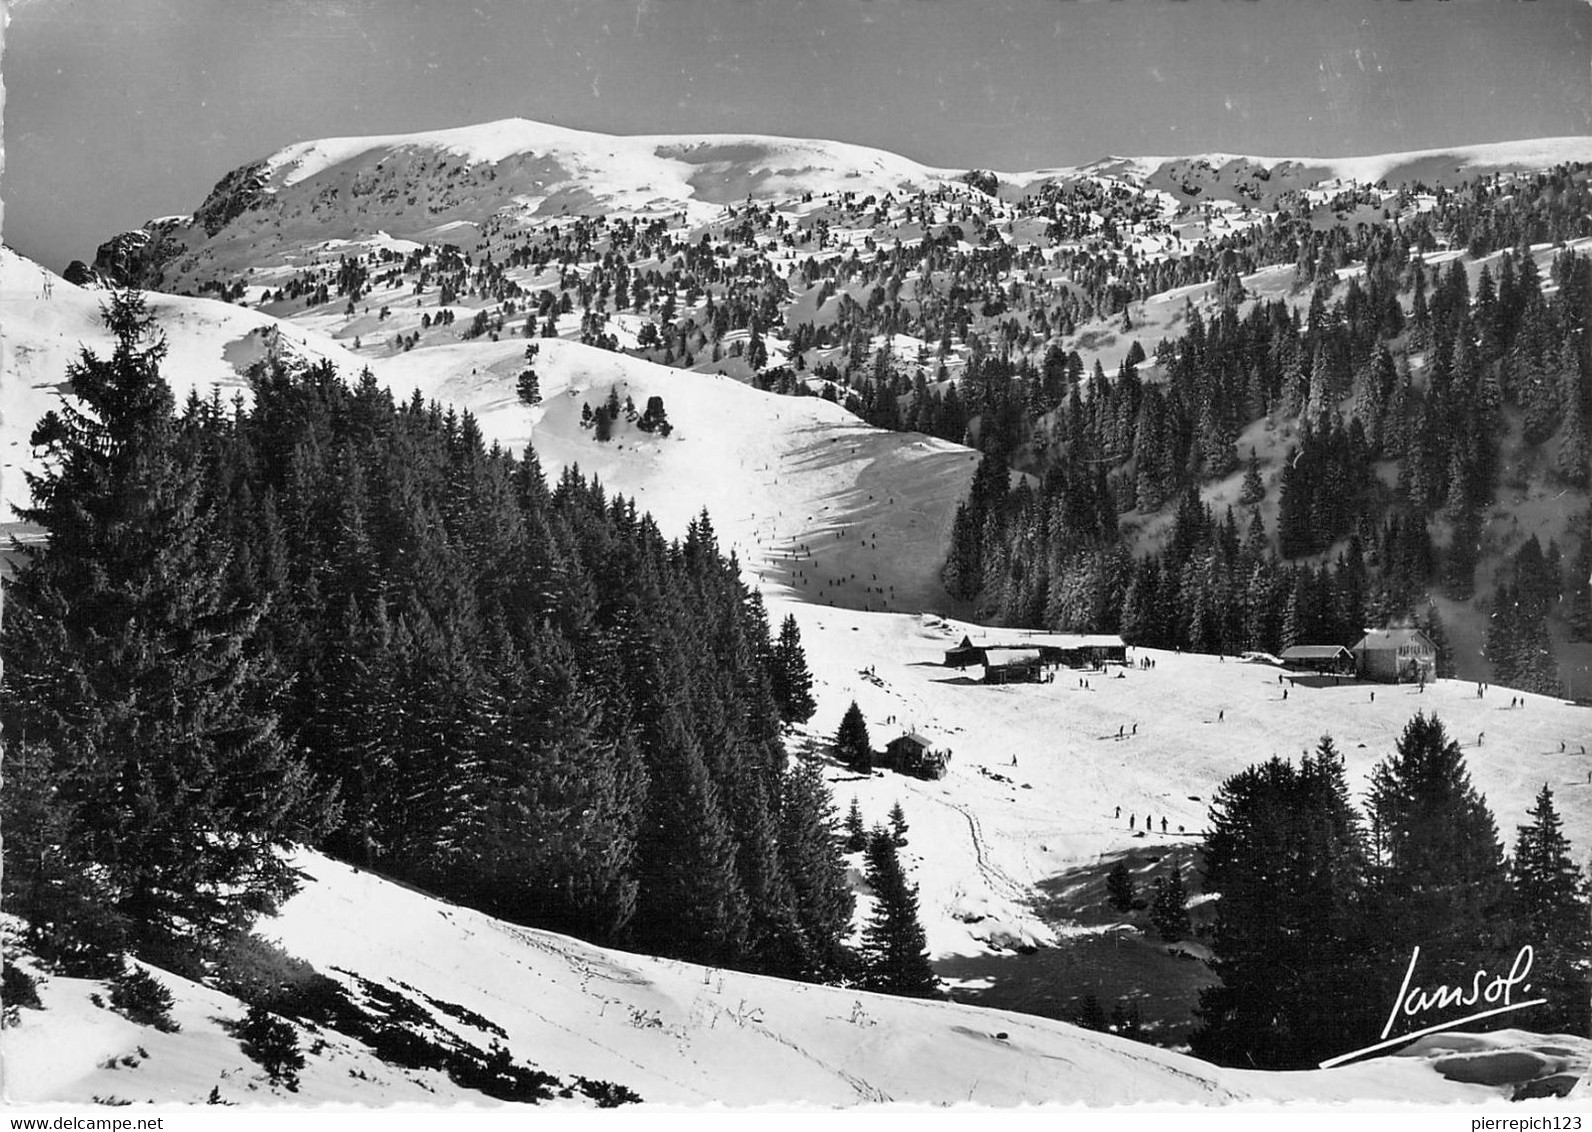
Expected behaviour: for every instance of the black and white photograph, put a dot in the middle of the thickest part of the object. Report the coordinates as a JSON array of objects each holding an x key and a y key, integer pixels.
[{"x": 860, "y": 557}]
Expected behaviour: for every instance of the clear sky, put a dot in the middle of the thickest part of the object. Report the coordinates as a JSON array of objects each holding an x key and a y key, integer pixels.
[{"x": 120, "y": 110}]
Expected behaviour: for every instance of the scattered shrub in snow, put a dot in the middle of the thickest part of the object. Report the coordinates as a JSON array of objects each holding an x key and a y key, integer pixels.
[
  {"x": 274, "y": 1044},
  {"x": 1091, "y": 1015},
  {"x": 1169, "y": 910},
  {"x": 496, "y": 1075},
  {"x": 140, "y": 997},
  {"x": 17, "y": 989},
  {"x": 606, "y": 1093},
  {"x": 1125, "y": 1020},
  {"x": 259, "y": 973},
  {"x": 1119, "y": 887}
]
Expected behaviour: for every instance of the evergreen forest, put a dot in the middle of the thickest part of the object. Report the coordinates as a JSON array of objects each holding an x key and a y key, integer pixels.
[{"x": 333, "y": 618}]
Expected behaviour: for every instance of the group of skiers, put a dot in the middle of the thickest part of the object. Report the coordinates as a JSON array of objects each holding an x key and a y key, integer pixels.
[{"x": 1149, "y": 821}]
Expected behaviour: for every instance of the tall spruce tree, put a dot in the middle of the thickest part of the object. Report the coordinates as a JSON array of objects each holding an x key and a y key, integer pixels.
[
  {"x": 1439, "y": 874},
  {"x": 894, "y": 949},
  {"x": 130, "y": 659},
  {"x": 852, "y": 745},
  {"x": 856, "y": 839},
  {"x": 1285, "y": 852},
  {"x": 1253, "y": 489},
  {"x": 810, "y": 852},
  {"x": 1550, "y": 905},
  {"x": 790, "y": 680}
]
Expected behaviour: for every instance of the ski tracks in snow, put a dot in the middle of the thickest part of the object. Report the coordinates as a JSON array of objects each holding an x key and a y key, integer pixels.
[{"x": 998, "y": 879}]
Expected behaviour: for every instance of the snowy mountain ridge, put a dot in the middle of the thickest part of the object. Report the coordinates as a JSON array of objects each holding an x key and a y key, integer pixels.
[{"x": 445, "y": 183}]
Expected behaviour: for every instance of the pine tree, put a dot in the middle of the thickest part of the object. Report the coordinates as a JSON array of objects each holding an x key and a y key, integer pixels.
[
  {"x": 529, "y": 385},
  {"x": 852, "y": 745},
  {"x": 1091, "y": 1015},
  {"x": 1432, "y": 626},
  {"x": 1540, "y": 391},
  {"x": 1169, "y": 909},
  {"x": 1254, "y": 488},
  {"x": 1285, "y": 853},
  {"x": 810, "y": 855},
  {"x": 856, "y": 832},
  {"x": 789, "y": 678},
  {"x": 654, "y": 418},
  {"x": 690, "y": 900},
  {"x": 554, "y": 840},
  {"x": 127, "y": 652},
  {"x": 1440, "y": 868},
  {"x": 1119, "y": 887},
  {"x": 48, "y": 884},
  {"x": 1551, "y": 903},
  {"x": 894, "y": 949},
  {"x": 1570, "y": 462},
  {"x": 898, "y": 824},
  {"x": 1580, "y": 595}
]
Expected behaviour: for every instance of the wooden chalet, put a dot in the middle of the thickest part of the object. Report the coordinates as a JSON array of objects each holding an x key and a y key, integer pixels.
[
  {"x": 1332, "y": 660},
  {"x": 916, "y": 755},
  {"x": 1012, "y": 666},
  {"x": 1396, "y": 656},
  {"x": 1074, "y": 650},
  {"x": 964, "y": 655},
  {"x": 1084, "y": 650}
]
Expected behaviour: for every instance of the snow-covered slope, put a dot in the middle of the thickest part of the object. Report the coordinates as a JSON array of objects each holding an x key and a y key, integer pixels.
[
  {"x": 799, "y": 488},
  {"x": 673, "y": 1033},
  {"x": 629, "y": 172},
  {"x": 987, "y": 835},
  {"x": 776, "y": 473},
  {"x": 1432, "y": 166}
]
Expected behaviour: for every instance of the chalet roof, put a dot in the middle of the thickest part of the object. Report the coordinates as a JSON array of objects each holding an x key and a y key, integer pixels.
[
  {"x": 914, "y": 738},
  {"x": 1003, "y": 657},
  {"x": 1314, "y": 652},
  {"x": 1072, "y": 640},
  {"x": 1093, "y": 641},
  {"x": 1378, "y": 639}
]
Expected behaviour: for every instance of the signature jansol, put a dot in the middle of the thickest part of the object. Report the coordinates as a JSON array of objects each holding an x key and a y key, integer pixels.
[{"x": 1494, "y": 991}]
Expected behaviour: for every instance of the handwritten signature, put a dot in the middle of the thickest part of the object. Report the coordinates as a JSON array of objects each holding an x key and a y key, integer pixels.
[{"x": 1497, "y": 991}]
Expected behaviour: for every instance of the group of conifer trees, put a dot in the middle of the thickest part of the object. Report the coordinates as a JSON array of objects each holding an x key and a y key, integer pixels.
[
  {"x": 1321, "y": 908},
  {"x": 331, "y": 618},
  {"x": 1510, "y": 360}
]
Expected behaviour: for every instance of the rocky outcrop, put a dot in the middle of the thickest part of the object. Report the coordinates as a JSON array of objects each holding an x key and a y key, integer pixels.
[
  {"x": 236, "y": 193},
  {"x": 139, "y": 258}
]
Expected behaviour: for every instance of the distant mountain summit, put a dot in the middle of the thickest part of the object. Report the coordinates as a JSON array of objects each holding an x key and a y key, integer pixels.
[
  {"x": 460, "y": 185},
  {"x": 457, "y": 184}
]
